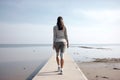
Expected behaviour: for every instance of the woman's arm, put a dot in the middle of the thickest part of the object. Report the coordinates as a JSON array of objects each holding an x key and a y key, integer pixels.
[
  {"x": 54, "y": 37},
  {"x": 66, "y": 37}
]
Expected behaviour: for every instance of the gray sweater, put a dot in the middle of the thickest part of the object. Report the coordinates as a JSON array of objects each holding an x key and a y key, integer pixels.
[{"x": 60, "y": 35}]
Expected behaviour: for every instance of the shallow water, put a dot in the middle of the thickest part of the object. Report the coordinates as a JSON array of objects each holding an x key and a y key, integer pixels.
[
  {"x": 22, "y": 62},
  {"x": 85, "y": 53}
]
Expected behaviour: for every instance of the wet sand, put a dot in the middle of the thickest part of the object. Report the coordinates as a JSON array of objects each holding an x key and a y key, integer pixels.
[{"x": 101, "y": 69}]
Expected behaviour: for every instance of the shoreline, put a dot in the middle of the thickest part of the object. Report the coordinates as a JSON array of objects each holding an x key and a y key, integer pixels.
[{"x": 101, "y": 69}]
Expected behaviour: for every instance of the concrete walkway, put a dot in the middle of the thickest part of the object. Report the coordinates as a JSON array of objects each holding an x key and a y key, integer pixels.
[{"x": 70, "y": 72}]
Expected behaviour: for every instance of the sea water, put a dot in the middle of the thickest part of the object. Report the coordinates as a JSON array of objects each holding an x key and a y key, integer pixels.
[
  {"x": 23, "y": 61},
  {"x": 88, "y": 52}
]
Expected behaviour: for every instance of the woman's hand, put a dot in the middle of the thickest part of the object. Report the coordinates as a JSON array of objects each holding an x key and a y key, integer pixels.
[{"x": 67, "y": 45}]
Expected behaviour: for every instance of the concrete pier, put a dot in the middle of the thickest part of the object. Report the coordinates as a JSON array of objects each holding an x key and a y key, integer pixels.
[{"x": 70, "y": 71}]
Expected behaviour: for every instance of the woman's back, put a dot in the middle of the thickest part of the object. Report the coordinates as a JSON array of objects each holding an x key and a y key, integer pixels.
[{"x": 60, "y": 35}]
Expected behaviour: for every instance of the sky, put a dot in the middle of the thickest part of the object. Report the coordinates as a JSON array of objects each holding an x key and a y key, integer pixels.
[{"x": 32, "y": 21}]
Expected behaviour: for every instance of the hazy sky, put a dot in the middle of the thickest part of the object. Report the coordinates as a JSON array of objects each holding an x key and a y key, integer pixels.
[{"x": 32, "y": 21}]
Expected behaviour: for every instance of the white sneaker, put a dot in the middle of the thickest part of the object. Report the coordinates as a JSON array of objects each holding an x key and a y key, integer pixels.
[
  {"x": 61, "y": 72},
  {"x": 58, "y": 69}
]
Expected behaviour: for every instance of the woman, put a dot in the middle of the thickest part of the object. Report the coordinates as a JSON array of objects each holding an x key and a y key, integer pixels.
[{"x": 60, "y": 42}]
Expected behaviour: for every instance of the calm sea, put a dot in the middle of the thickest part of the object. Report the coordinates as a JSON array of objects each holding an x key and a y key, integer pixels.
[
  {"x": 23, "y": 61},
  {"x": 87, "y": 52}
]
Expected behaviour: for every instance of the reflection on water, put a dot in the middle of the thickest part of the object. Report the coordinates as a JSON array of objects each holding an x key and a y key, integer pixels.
[
  {"x": 22, "y": 62},
  {"x": 87, "y": 52},
  {"x": 19, "y": 70}
]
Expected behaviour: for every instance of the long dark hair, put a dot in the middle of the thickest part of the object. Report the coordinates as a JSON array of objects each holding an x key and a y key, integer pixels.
[{"x": 60, "y": 23}]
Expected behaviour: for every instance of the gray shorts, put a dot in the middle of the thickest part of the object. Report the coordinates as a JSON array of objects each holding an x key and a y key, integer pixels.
[{"x": 60, "y": 48}]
